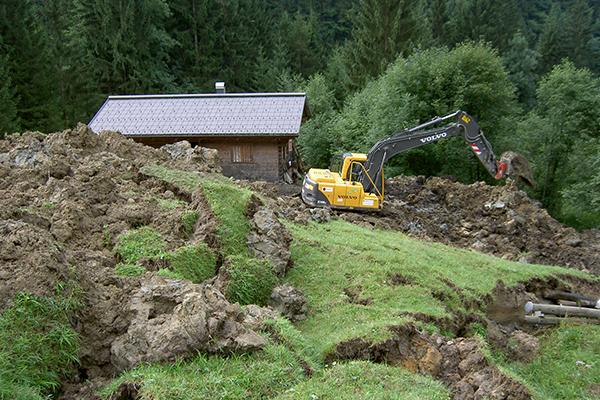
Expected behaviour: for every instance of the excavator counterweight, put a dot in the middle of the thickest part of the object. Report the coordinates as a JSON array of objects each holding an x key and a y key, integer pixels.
[{"x": 359, "y": 183}]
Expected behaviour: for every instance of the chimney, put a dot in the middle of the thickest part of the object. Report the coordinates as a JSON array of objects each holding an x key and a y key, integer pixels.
[{"x": 220, "y": 87}]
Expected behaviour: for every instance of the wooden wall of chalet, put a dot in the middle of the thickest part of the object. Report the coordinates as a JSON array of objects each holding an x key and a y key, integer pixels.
[{"x": 254, "y": 158}]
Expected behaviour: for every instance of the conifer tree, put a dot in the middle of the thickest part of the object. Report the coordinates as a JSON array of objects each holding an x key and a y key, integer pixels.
[
  {"x": 122, "y": 45},
  {"x": 521, "y": 63},
  {"x": 299, "y": 33},
  {"x": 488, "y": 20},
  {"x": 382, "y": 30},
  {"x": 551, "y": 42},
  {"x": 578, "y": 33},
  {"x": 29, "y": 65},
  {"x": 8, "y": 106},
  {"x": 439, "y": 17}
]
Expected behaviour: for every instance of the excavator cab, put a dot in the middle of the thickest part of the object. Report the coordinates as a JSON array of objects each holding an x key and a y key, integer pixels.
[{"x": 339, "y": 186}]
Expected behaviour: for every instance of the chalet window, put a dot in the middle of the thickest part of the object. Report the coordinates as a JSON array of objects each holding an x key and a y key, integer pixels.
[{"x": 241, "y": 154}]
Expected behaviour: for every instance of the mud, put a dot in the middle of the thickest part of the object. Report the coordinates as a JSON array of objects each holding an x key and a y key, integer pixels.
[{"x": 66, "y": 198}]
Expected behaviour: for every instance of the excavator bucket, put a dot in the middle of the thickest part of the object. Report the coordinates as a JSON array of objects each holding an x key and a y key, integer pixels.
[{"x": 517, "y": 167}]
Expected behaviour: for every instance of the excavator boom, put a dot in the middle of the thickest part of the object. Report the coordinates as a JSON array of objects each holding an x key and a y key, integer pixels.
[{"x": 361, "y": 182}]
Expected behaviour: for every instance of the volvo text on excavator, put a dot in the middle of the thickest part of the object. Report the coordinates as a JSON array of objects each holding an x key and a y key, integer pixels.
[{"x": 359, "y": 183}]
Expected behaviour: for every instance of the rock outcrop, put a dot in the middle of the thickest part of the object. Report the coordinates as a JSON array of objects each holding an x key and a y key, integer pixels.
[{"x": 171, "y": 319}]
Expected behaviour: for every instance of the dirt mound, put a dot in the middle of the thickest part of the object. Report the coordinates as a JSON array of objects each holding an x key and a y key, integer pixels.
[
  {"x": 498, "y": 220},
  {"x": 174, "y": 318},
  {"x": 66, "y": 199},
  {"x": 30, "y": 258}
]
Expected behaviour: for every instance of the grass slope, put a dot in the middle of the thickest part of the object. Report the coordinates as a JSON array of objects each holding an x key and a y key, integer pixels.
[
  {"x": 227, "y": 201},
  {"x": 192, "y": 262},
  {"x": 251, "y": 280},
  {"x": 365, "y": 380},
  {"x": 567, "y": 366},
  {"x": 392, "y": 275},
  {"x": 331, "y": 258}
]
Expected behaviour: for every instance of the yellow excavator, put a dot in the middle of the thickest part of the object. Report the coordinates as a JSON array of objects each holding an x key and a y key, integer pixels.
[{"x": 358, "y": 182}]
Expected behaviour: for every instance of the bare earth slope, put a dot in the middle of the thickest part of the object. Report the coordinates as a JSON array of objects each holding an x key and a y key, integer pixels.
[{"x": 66, "y": 199}]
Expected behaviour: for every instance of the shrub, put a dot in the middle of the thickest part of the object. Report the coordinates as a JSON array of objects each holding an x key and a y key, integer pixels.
[
  {"x": 188, "y": 220},
  {"x": 137, "y": 243},
  {"x": 195, "y": 263},
  {"x": 129, "y": 269},
  {"x": 250, "y": 280}
]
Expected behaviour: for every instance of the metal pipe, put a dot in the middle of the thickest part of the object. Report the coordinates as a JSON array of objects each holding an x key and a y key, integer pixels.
[
  {"x": 583, "y": 301},
  {"x": 433, "y": 121},
  {"x": 531, "y": 319},
  {"x": 562, "y": 311}
]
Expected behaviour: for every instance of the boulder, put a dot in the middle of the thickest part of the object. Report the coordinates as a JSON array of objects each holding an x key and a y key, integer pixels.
[
  {"x": 172, "y": 319},
  {"x": 290, "y": 302},
  {"x": 270, "y": 240}
]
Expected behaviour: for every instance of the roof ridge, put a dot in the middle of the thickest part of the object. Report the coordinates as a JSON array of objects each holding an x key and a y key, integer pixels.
[{"x": 197, "y": 95}]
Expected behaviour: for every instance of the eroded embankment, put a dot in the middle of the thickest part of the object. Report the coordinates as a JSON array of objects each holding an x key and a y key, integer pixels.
[
  {"x": 463, "y": 362},
  {"x": 140, "y": 251}
]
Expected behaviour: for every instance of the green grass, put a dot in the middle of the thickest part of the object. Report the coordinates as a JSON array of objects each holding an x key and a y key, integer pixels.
[
  {"x": 37, "y": 346},
  {"x": 167, "y": 273},
  {"x": 137, "y": 243},
  {"x": 365, "y": 380},
  {"x": 247, "y": 376},
  {"x": 554, "y": 373},
  {"x": 195, "y": 263},
  {"x": 329, "y": 258},
  {"x": 251, "y": 281},
  {"x": 258, "y": 375},
  {"x": 227, "y": 201},
  {"x": 170, "y": 204},
  {"x": 183, "y": 180},
  {"x": 188, "y": 220}
]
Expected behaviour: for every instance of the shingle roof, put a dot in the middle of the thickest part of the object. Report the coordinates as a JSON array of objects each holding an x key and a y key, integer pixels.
[{"x": 236, "y": 114}]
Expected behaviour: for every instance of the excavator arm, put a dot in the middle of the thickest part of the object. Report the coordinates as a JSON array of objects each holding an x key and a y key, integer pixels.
[{"x": 461, "y": 124}]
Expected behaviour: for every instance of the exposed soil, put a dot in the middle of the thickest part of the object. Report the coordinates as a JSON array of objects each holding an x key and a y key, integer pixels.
[
  {"x": 66, "y": 198},
  {"x": 460, "y": 362}
]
